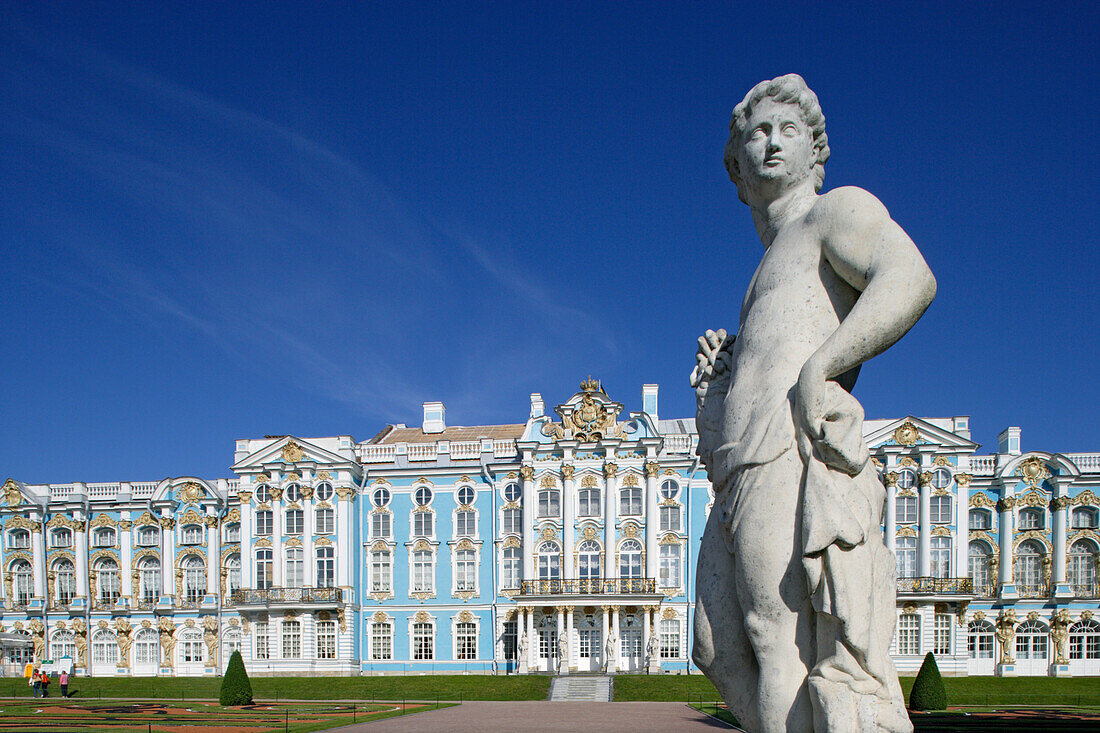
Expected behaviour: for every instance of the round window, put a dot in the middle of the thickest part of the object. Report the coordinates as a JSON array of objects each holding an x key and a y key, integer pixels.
[
  {"x": 381, "y": 497},
  {"x": 423, "y": 496},
  {"x": 941, "y": 478},
  {"x": 263, "y": 493},
  {"x": 669, "y": 489},
  {"x": 324, "y": 491},
  {"x": 465, "y": 496},
  {"x": 293, "y": 492},
  {"x": 512, "y": 492},
  {"x": 907, "y": 478}
]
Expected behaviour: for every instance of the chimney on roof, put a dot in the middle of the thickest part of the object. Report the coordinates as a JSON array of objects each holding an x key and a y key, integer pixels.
[
  {"x": 538, "y": 408},
  {"x": 1009, "y": 441},
  {"x": 961, "y": 426},
  {"x": 649, "y": 400},
  {"x": 434, "y": 417}
]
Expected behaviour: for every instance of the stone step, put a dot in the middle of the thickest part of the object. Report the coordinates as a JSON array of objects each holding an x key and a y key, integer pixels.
[{"x": 586, "y": 689}]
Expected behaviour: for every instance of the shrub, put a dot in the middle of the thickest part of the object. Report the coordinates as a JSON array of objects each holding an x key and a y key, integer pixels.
[
  {"x": 928, "y": 692},
  {"x": 236, "y": 689}
]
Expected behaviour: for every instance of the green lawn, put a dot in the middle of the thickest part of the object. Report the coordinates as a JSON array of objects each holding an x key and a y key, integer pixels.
[{"x": 413, "y": 687}]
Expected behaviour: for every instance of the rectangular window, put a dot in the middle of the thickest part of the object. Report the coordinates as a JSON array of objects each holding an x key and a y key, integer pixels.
[
  {"x": 466, "y": 641},
  {"x": 381, "y": 637},
  {"x": 192, "y": 535},
  {"x": 979, "y": 644},
  {"x": 263, "y": 523},
  {"x": 509, "y": 640},
  {"x": 548, "y": 644},
  {"x": 631, "y": 643},
  {"x": 148, "y": 536},
  {"x": 905, "y": 509},
  {"x": 909, "y": 634},
  {"x": 670, "y": 519},
  {"x": 941, "y": 509},
  {"x": 513, "y": 521},
  {"x": 326, "y": 640},
  {"x": 423, "y": 572},
  {"x": 511, "y": 569},
  {"x": 295, "y": 568},
  {"x": 422, "y": 524},
  {"x": 465, "y": 525},
  {"x": 941, "y": 557},
  {"x": 423, "y": 641},
  {"x": 325, "y": 520},
  {"x": 630, "y": 502},
  {"x": 670, "y": 566},
  {"x": 941, "y": 636},
  {"x": 381, "y": 567},
  {"x": 326, "y": 568},
  {"x": 380, "y": 525},
  {"x": 233, "y": 532},
  {"x": 295, "y": 521},
  {"x": 292, "y": 640},
  {"x": 263, "y": 643},
  {"x": 466, "y": 571},
  {"x": 670, "y": 638},
  {"x": 191, "y": 651},
  {"x": 979, "y": 519},
  {"x": 589, "y": 505},
  {"x": 549, "y": 503},
  {"x": 19, "y": 540}
]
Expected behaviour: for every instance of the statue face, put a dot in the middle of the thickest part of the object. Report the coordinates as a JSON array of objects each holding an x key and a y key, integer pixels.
[{"x": 776, "y": 149}]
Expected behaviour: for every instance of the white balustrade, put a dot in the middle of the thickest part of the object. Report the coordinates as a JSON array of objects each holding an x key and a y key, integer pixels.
[{"x": 466, "y": 450}]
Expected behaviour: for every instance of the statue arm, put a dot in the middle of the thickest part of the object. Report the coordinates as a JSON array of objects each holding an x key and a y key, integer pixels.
[{"x": 870, "y": 252}]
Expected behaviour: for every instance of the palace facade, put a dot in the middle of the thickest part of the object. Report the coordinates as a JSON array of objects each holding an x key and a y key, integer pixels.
[{"x": 563, "y": 543}]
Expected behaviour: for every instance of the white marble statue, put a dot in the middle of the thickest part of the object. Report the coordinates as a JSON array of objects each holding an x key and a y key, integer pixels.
[{"x": 795, "y": 587}]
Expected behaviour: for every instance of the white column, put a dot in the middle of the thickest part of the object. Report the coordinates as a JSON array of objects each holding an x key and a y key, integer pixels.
[
  {"x": 652, "y": 519},
  {"x": 1004, "y": 535},
  {"x": 80, "y": 550},
  {"x": 605, "y": 630},
  {"x": 647, "y": 630},
  {"x": 213, "y": 556},
  {"x": 310, "y": 576},
  {"x": 891, "y": 522},
  {"x": 569, "y": 513},
  {"x": 611, "y": 498},
  {"x": 532, "y": 642},
  {"x": 569, "y": 635},
  {"x": 344, "y": 550},
  {"x": 245, "y": 507},
  {"x": 962, "y": 543},
  {"x": 529, "y": 511},
  {"x": 619, "y": 661},
  {"x": 38, "y": 548},
  {"x": 924, "y": 517},
  {"x": 278, "y": 554},
  {"x": 560, "y": 613},
  {"x": 126, "y": 542},
  {"x": 1058, "y": 510},
  {"x": 167, "y": 554}
]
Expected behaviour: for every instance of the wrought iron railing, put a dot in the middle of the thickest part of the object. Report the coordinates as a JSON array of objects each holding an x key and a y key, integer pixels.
[
  {"x": 1090, "y": 590},
  {"x": 588, "y": 586},
  {"x": 1033, "y": 590},
  {"x": 935, "y": 586},
  {"x": 985, "y": 591},
  {"x": 255, "y": 596}
]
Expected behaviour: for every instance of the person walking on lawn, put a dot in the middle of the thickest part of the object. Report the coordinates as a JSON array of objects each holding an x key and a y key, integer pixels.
[
  {"x": 45, "y": 683},
  {"x": 36, "y": 681},
  {"x": 64, "y": 681}
]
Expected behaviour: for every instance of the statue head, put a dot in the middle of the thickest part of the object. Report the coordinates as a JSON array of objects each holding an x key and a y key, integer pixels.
[{"x": 789, "y": 89}]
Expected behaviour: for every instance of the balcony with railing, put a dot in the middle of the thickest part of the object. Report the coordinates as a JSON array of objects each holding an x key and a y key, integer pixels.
[
  {"x": 1033, "y": 590},
  {"x": 1087, "y": 590},
  {"x": 927, "y": 586},
  {"x": 273, "y": 597},
  {"x": 589, "y": 586}
]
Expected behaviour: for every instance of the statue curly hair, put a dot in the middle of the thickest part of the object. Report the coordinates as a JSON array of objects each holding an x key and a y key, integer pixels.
[{"x": 791, "y": 89}]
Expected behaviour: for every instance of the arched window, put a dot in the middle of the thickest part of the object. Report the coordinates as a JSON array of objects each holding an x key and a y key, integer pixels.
[
  {"x": 231, "y": 642},
  {"x": 1031, "y": 640},
  {"x": 295, "y": 568},
  {"x": 149, "y": 580},
  {"x": 63, "y": 644},
  {"x": 147, "y": 647},
  {"x": 549, "y": 561},
  {"x": 107, "y": 582},
  {"x": 588, "y": 560},
  {"x": 941, "y": 557},
  {"x": 465, "y": 570},
  {"x": 325, "y": 520},
  {"x": 1082, "y": 568},
  {"x": 979, "y": 639},
  {"x": 1031, "y": 518},
  {"x": 512, "y": 570},
  {"x": 190, "y": 645},
  {"x": 104, "y": 537},
  {"x": 65, "y": 578},
  {"x": 19, "y": 539},
  {"x": 233, "y": 532},
  {"x": 61, "y": 537},
  {"x": 232, "y": 574},
  {"x": 669, "y": 489},
  {"x": 981, "y": 519},
  {"x": 22, "y": 582},
  {"x": 104, "y": 647},
  {"x": 979, "y": 556},
  {"x": 630, "y": 501},
  {"x": 326, "y": 567},
  {"x": 905, "y": 548},
  {"x": 1084, "y": 640},
  {"x": 549, "y": 502},
  {"x": 194, "y": 578},
  {"x": 148, "y": 536},
  {"x": 905, "y": 509},
  {"x": 940, "y": 509},
  {"x": 192, "y": 534},
  {"x": 589, "y": 502},
  {"x": 630, "y": 559},
  {"x": 1029, "y": 568},
  {"x": 263, "y": 569},
  {"x": 1084, "y": 518},
  {"x": 670, "y": 567},
  {"x": 423, "y": 571}
]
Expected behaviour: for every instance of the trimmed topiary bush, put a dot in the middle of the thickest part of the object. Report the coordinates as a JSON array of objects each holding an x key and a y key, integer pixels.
[
  {"x": 928, "y": 692},
  {"x": 236, "y": 689}
]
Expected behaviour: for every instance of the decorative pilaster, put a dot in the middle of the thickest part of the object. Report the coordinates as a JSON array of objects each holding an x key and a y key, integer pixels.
[
  {"x": 126, "y": 542},
  {"x": 1058, "y": 507},
  {"x": 962, "y": 501},
  {"x": 569, "y": 522},
  {"x": 611, "y": 498},
  {"x": 652, "y": 518},
  {"x": 1004, "y": 537},
  {"x": 343, "y": 536},
  {"x": 38, "y": 546},
  {"x": 80, "y": 550},
  {"x": 528, "y": 475},
  {"x": 563, "y": 642},
  {"x": 213, "y": 555},
  {"x": 245, "y": 499},
  {"x": 891, "y": 522},
  {"x": 569, "y": 637},
  {"x": 924, "y": 517},
  {"x": 309, "y": 528},
  {"x": 167, "y": 555}
]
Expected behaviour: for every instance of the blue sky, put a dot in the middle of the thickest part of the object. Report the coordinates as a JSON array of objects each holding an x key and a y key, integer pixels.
[{"x": 229, "y": 220}]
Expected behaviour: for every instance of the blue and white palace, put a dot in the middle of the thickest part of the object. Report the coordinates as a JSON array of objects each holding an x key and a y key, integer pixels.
[{"x": 563, "y": 543}]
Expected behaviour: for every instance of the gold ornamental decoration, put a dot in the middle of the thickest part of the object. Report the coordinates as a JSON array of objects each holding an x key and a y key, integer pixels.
[
  {"x": 12, "y": 495},
  {"x": 1032, "y": 470},
  {"x": 907, "y": 434},
  {"x": 191, "y": 492},
  {"x": 292, "y": 452},
  {"x": 590, "y": 419},
  {"x": 527, "y": 472}
]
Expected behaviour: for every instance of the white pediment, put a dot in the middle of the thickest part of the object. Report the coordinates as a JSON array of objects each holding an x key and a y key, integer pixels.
[
  {"x": 288, "y": 451},
  {"x": 909, "y": 432}
]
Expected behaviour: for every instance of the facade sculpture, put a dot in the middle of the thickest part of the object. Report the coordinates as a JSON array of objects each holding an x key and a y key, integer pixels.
[{"x": 796, "y": 588}]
